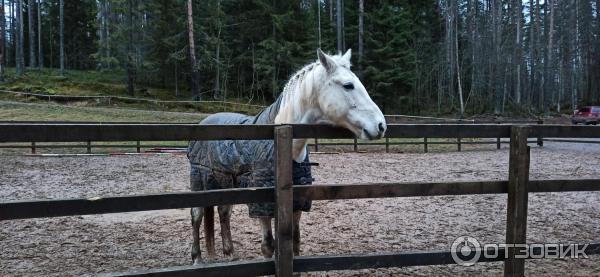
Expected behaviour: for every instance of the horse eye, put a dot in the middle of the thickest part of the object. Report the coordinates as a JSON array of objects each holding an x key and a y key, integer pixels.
[{"x": 348, "y": 86}]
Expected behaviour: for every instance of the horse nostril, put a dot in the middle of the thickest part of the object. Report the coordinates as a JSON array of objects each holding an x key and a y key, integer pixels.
[{"x": 381, "y": 128}]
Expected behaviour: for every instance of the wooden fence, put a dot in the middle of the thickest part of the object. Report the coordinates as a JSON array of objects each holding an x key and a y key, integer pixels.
[
  {"x": 394, "y": 119},
  {"x": 518, "y": 187}
]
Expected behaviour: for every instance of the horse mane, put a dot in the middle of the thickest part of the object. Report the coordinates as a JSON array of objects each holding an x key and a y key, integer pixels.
[{"x": 267, "y": 115}]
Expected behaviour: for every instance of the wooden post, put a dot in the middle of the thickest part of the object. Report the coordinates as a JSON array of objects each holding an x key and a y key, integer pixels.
[
  {"x": 137, "y": 146},
  {"x": 89, "y": 147},
  {"x": 425, "y": 150},
  {"x": 33, "y": 147},
  {"x": 355, "y": 145},
  {"x": 316, "y": 145},
  {"x": 387, "y": 145},
  {"x": 458, "y": 144},
  {"x": 516, "y": 219},
  {"x": 540, "y": 140},
  {"x": 284, "y": 255},
  {"x": 498, "y": 146}
]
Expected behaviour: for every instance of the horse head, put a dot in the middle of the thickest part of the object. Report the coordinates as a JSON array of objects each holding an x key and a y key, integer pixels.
[
  {"x": 344, "y": 101},
  {"x": 327, "y": 91}
]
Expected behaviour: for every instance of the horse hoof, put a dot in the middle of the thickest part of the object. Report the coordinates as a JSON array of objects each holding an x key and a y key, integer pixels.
[
  {"x": 198, "y": 261},
  {"x": 267, "y": 250},
  {"x": 228, "y": 252}
]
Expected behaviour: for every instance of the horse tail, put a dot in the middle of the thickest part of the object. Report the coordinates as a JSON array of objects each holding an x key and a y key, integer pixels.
[{"x": 209, "y": 230}]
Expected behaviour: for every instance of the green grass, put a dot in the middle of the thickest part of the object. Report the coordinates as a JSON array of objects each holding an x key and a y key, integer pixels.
[
  {"x": 106, "y": 83},
  {"x": 42, "y": 112}
]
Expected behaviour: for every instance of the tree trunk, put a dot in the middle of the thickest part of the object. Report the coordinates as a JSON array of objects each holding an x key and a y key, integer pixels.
[
  {"x": 460, "y": 92},
  {"x": 193, "y": 68},
  {"x": 130, "y": 53},
  {"x": 549, "y": 76},
  {"x": 31, "y": 25},
  {"x": 361, "y": 31},
  {"x": 62, "y": 37},
  {"x": 318, "y": 4},
  {"x": 338, "y": 15},
  {"x": 518, "y": 8},
  {"x": 2, "y": 41},
  {"x": 217, "y": 90},
  {"x": 343, "y": 27},
  {"x": 20, "y": 54},
  {"x": 39, "y": 25}
]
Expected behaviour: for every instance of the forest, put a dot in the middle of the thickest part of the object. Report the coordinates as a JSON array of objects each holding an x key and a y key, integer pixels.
[{"x": 462, "y": 57}]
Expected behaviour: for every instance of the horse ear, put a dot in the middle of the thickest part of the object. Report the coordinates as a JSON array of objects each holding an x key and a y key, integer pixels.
[
  {"x": 347, "y": 55},
  {"x": 325, "y": 60}
]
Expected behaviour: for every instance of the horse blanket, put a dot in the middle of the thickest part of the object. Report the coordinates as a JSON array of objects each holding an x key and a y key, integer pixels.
[{"x": 222, "y": 164}]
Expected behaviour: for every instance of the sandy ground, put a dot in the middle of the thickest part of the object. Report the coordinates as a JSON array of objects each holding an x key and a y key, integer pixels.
[{"x": 83, "y": 245}]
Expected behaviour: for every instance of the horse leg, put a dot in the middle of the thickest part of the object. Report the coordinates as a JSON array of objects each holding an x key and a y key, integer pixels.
[
  {"x": 267, "y": 248},
  {"x": 209, "y": 231},
  {"x": 224, "y": 216},
  {"x": 197, "y": 214},
  {"x": 297, "y": 233}
]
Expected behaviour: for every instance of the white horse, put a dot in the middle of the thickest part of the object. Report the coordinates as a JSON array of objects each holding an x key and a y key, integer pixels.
[{"x": 325, "y": 91}]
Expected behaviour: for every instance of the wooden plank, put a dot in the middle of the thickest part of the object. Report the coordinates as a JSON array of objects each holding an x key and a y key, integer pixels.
[
  {"x": 129, "y": 132},
  {"x": 322, "y": 263},
  {"x": 115, "y": 204},
  {"x": 402, "y": 259},
  {"x": 42, "y": 132},
  {"x": 97, "y": 205},
  {"x": 379, "y": 260},
  {"x": 410, "y": 131},
  {"x": 425, "y": 150},
  {"x": 573, "y": 141},
  {"x": 239, "y": 268},
  {"x": 516, "y": 219},
  {"x": 448, "y": 131},
  {"x": 383, "y": 190},
  {"x": 564, "y": 131},
  {"x": 564, "y": 185},
  {"x": 284, "y": 195}
]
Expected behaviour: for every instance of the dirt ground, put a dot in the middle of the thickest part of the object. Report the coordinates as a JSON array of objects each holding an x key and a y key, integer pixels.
[{"x": 87, "y": 245}]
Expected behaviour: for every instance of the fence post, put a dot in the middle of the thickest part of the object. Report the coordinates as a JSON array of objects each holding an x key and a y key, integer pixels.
[
  {"x": 137, "y": 146},
  {"x": 498, "y": 146},
  {"x": 33, "y": 147},
  {"x": 540, "y": 140},
  {"x": 387, "y": 145},
  {"x": 89, "y": 147},
  {"x": 458, "y": 144},
  {"x": 355, "y": 145},
  {"x": 425, "y": 150},
  {"x": 516, "y": 219},
  {"x": 316, "y": 145},
  {"x": 284, "y": 256}
]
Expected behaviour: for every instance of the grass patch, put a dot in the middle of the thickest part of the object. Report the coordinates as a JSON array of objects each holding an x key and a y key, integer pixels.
[
  {"x": 42, "y": 112},
  {"x": 106, "y": 83}
]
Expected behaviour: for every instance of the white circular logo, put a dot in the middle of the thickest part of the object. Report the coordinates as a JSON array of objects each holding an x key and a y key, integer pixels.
[{"x": 466, "y": 250}]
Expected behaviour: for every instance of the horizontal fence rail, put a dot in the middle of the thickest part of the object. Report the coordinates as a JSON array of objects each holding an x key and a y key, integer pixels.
[
  {"x": 325, "y": 263},
  {"x": 22, "y": 209},
  {"x": 43, "y": 132}
]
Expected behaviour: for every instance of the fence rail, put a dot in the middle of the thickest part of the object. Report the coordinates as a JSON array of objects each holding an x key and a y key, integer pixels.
[
  {"x": 517, "y": 187},
  {"x": 89, "y": 132}
]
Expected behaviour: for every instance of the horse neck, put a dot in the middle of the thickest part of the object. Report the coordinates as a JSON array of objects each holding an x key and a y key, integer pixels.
[{"x": 295, "y": 105}]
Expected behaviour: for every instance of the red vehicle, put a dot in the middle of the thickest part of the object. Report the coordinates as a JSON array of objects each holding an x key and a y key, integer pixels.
[{"x": 586, "y": 115}]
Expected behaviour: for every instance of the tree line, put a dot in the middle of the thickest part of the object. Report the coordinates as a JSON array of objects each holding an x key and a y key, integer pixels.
[{"x": 440, "y": 56}]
